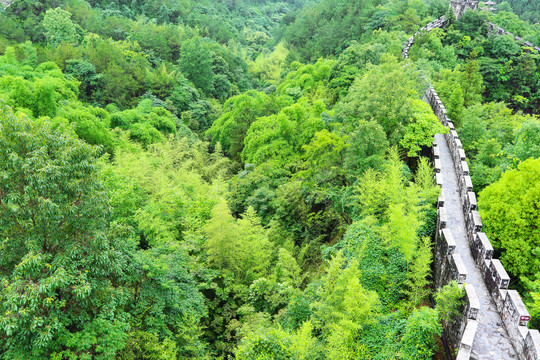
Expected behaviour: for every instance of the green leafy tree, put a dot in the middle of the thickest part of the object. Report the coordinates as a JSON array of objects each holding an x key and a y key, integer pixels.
[
  {"x": 343, "y": 308},
  {"x": 60, "y": 28},
  {"x": 418, "y": 272},
  {"x": 455, "y": 105},
  {"x": 421, "y": 129},
  {"x": 238, "y": 246},
  {"x": 383, "y": 94},
  {"x": 418, "y": 341},
  {"x": 239, "y": 113},
  {"x": 196, "y": 64},
  {"x": 450, "y": 302},
  {"x": 287, "y": 269},
  {"x": 61, "y": 270},
  {"x": 366, "y": 148},
  {"x": 508, "y": 211}
]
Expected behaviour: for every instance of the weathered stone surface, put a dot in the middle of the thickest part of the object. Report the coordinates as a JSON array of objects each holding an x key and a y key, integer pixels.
[
  {"x": 439, "y": 179},
  {"x": 499, "y": 274},
  {"x": 465, "y": 253},
  {"x": 515, "y": 312},
  {"x": 435, "y": 152},
  {"x": 460, "y": 6},
  {"x": 492, "y": 340},
  {"x": 458, "y": 269},
  {"x": 437, "y": 165},
  {"x": 470, "y": 202},
  {"x": 464, "y": 167},
  {"x": 481, "y": 248},
  {"x": 442, "y": 218},
  {"x": 532, "y": 345},
  {"x": 473, "y": 302},
  {"x": 468, "y": 336},
  {"x": 440, "y": 201}
]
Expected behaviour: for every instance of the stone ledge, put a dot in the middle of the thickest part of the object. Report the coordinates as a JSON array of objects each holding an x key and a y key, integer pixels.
[{"x": 450, "y": 264}]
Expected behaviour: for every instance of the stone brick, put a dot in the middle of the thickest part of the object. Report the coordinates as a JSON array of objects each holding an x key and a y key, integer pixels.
[
  {"x": 515, "y": 312},
  {"x": 442, "y": 218},
  {"x": 439, "y": 179},
  {"x": 473, "y": 302},
  {"x": 499, "y": 274},
  {"x": 440, "y": 201},
  {"x": 464, "y": 168},
  {"x": 458, "y": 269},
  {"x": 532, "y": 345},
  {"x": 437, "y": 165},
  {"x": 469, "y": 202},
  {"x": 469, "y": 334},
  {"x": 481, "y": 248},
  {"x": 436, "y": 153}
]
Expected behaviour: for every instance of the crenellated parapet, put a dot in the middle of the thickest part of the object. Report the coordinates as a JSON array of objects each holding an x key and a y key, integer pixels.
[
  {"x": 494, "y": 29},
  {"x": 508, "y": 304},
  {"x": 460, "y": 6},
  {"x": 463, "y": 253}
]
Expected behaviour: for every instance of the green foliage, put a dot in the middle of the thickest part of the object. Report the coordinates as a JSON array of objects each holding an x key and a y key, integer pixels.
[
  {"x": 287, "y": 269},
  {"x": 418, "y": 340},
  {"x": 381, "y": 267},
  {"x": 383, "y": 94},
  {"x": 282, "y": 136},
  {"x": 420, "y": 131},
  {"x": 91, "y": 124},
  {"x": 508, "y": 211},
  {"x": 146, "y": 124},
  {"x": 59, "y": 28},
  {"x": 239, "y": 113},
  {"x": 195, "y": 62},
  {"x": 147, "y": 346},
  {"x": 239, "y": 246},
  {"x": 495, "y": 140},
  {"x": 64, "y": 270},
  {"x": 367, "y": 146},
  {"x": 35, "y": 91},
  {"x": 417, "y": 275},
  {"x": 343, "y": 308},
  {"x": 450, "y": 301},
  {"x": 170, "y": 247}
]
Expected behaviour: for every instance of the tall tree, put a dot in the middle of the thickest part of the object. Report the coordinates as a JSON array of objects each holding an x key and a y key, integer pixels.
[
  {"x": 509, "y": 208},
  {"x": 196, "y": 64},
  {"x": 59, "y": 27},
  {"x": 60, "y": 270}
]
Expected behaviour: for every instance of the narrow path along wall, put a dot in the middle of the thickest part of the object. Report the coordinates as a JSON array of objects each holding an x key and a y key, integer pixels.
[
  {"x": 494, "y": 321},
  {"x": 492, "y": 28}
]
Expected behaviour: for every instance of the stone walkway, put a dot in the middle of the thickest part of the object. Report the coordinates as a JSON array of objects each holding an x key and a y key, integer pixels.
[{"x": 491, "y": 341}]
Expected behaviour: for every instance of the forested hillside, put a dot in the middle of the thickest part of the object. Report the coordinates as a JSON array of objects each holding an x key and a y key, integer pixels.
[{"x": 248, "y": 179}]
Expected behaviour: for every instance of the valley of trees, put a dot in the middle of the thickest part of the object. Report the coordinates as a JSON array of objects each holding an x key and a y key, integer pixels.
[{"x": 249, "y": 179}]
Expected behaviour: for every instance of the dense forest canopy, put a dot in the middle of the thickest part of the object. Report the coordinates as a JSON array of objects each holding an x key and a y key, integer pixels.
[{"x": 247, "y": 178}]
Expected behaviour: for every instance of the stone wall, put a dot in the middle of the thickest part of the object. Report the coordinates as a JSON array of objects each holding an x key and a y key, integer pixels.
[
  {"x": 439, "y": 23},
  {"x": 448, "y": 263},
  {"x": 460, "y": 6},
  {"x": 492, "y": 28},
  {"x": 449, "y": 267}
]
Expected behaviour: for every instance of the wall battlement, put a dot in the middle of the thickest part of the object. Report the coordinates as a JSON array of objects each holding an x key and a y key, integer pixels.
[
  {"x": 460, "y": 6},
  {"x": 494, "y": 320}
]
